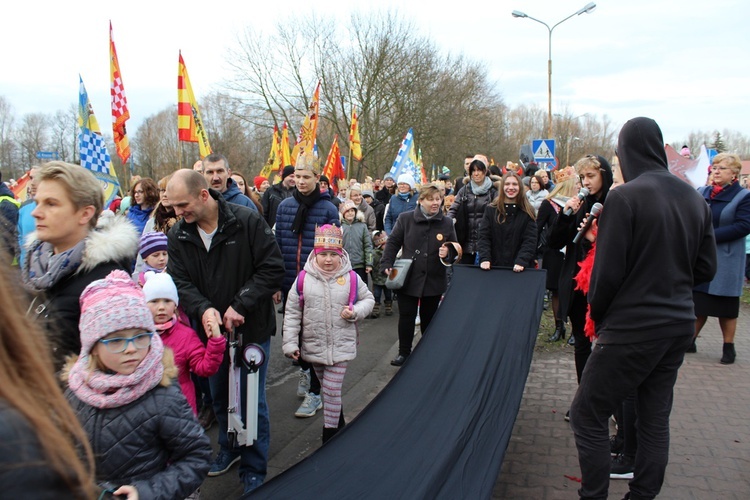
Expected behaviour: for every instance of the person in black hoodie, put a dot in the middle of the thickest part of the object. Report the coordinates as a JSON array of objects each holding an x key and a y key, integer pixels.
[
  {"x": 642, "y": 307},
  {"x": 596, "y": 176}
]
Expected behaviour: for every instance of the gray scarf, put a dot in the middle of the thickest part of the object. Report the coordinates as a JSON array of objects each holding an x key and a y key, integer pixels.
[
  {"x": 478, "y": 189},
  {"x": 46, "y": 268}
]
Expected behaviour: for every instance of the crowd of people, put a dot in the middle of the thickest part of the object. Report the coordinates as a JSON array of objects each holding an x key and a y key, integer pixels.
[{"x": 135, "y": 301}]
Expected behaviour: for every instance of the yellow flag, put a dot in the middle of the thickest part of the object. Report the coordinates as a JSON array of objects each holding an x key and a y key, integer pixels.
[
  {"x": 272, "y": 162},
  {"x": 309, "y": 130},
  {"x": 355, "y": 144}
]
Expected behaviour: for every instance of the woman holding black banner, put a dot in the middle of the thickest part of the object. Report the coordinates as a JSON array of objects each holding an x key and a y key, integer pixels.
[{"x": 420, "y": 235}]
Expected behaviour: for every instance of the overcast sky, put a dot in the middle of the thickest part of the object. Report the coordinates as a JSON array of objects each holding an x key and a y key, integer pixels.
[{"x": 684, "y": 63}]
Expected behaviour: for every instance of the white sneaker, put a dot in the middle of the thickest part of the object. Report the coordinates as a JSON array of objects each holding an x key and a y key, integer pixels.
[
  {"x": 303, "y": 386},
  {"x": 418, "y": 321},
  {"x": 310, "y": 406}
]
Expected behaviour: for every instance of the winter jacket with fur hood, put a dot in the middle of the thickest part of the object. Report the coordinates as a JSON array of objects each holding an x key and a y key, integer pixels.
[
  {"x": 327, "y": 338},
  {"x": 154, "y": 443},
  {"x": 112, "y": 245},
  {"x": 655, "y": 241}
]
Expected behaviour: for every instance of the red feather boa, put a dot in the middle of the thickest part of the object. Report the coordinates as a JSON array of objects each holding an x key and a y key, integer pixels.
[{"x": 583, "y": 281}]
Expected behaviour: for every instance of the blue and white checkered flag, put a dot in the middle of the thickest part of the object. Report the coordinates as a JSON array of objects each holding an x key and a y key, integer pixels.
[
  {"x": 93, "y": 152},
  {"x": 403, "y": 162}
]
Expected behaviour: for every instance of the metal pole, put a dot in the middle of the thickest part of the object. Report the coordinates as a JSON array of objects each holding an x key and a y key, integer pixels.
[{"x": 549, "y": 88}]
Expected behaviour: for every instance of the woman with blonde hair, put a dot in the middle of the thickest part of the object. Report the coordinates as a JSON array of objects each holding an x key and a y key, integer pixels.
[
  {"x": 730, "y": 209},
  {"x": 44, "y": 453},
  {"x": 566, "y": 186},
  {"x": 71, "y": 248}
]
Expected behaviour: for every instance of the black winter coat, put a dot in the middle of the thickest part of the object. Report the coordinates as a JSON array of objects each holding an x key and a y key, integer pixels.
[
  {"x": 113, "y": 245},
  {"x": 565, "y": 229},
  {"x": 274, "y": 195},
  {"x": 420, "y": 238},
  {"x": 24, "y": 470},
  {"x": 510, "y": 243},
  {"x": 154, "y": 443},
  {"x": 468, "y": 209},
  {"x": 242, "y": 269}
]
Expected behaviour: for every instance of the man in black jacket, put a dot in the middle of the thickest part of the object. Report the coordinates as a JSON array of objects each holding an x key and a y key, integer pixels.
[
  {"x": 277, "y": 193},
  {"x": 226, "y": 265},
  {"x": 655, "y": 242}
]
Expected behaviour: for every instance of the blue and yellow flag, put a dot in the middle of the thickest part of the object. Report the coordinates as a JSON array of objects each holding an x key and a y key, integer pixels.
[
  {"x": 405, "y": 162},
  {"x": 91, "y": 146}
]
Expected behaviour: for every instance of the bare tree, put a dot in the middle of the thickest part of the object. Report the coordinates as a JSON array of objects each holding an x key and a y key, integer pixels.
[
  {"x": 396, "y": 78},
  {"x": 31, "y": 136},
  {"x": 8, "y": 149}
]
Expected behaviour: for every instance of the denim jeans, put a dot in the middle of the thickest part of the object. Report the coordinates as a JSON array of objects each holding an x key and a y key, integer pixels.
[
  {"x": 253, "y": 459},
  {"x": 612, "y": 373},
  {"x": 379, "y": 290}
]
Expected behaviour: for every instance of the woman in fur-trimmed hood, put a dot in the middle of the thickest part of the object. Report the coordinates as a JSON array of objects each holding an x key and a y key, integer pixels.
[{"x": 69, "y": 250}]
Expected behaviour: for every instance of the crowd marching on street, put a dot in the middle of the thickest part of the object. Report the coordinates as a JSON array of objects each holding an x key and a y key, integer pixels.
[{"x": 116, "y": 358}]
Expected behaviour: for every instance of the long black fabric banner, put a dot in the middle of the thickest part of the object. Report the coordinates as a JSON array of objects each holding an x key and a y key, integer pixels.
[{"x": 440, "y": 428}]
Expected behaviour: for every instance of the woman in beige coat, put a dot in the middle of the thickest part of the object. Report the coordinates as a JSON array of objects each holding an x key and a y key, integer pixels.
[{"x": 320, "y": 319}]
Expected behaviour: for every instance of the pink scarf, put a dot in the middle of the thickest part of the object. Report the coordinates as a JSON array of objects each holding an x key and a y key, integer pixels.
[{"x": 105, "y": 390}]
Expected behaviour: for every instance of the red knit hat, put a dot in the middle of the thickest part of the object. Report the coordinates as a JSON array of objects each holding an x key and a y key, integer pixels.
[{"x": 258, "y": 181}]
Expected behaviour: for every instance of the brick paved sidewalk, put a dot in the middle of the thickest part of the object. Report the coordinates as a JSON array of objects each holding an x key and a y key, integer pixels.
[{"x": 710, "y": 434}]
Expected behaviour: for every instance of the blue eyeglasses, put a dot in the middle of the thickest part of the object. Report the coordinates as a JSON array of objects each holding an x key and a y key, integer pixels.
[{"x": 120, "y": 344}]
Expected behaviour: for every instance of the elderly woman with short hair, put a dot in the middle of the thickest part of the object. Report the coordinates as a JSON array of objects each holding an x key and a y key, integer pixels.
[{"x": 730, "y": 210}]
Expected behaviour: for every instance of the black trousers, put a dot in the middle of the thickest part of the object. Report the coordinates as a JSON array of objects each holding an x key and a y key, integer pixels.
[
  {"x": 582, "y": 347},
  {"x": 611, "y": 373},
  {"x": 407, "y": 314}
]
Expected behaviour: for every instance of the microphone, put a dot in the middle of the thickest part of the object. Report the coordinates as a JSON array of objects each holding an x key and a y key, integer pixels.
[
  {"x": 584, "y": 192},
  {"x": 595, "y": 211}
]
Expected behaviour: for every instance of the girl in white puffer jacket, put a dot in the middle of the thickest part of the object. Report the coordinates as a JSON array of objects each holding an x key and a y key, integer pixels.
[{"x": 320, "y": 318}]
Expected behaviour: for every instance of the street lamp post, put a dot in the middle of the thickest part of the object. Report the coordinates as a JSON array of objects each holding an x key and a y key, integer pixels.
[{"x": 583, "y": 10}]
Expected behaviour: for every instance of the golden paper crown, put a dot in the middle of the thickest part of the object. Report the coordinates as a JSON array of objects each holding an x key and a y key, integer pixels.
[
  {"x": 563, "y": 174},
  {"x": 328, "y": 237}
]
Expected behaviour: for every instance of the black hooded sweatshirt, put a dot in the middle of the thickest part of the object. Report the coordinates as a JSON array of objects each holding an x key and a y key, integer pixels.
[
  {"x": 564, "y": 231},
  {"x": 655, "y": 242}
]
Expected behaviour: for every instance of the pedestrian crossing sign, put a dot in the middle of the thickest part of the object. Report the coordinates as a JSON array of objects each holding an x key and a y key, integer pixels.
[{"x": 544, "y": 150}]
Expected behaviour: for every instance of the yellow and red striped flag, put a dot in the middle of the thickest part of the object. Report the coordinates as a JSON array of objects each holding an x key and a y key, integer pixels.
[
  {"x": 309, "y": 130},
  {"x": 120, "y": 113},
  {"x": 189, "y": 123},
  {"x": 272, "y": 164},
  {"x": 355, "y": 145}
]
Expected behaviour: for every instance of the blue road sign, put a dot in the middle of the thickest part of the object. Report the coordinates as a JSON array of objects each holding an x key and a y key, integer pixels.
[
  {"x": 47, "y": 155},
  {"x": 544, "y": 150}
]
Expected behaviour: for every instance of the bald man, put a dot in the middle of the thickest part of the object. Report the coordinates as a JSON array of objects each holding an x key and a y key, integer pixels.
[{"x": 226, "y": 274}]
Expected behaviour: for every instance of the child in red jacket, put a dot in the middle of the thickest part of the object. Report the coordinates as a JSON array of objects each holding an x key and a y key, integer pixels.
[{"x": 190, "y": 355}]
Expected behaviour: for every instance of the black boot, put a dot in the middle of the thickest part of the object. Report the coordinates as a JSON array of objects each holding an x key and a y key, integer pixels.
[
  {"x": 559, "y": 332},
  {"x": 729, "y": 354},
  {"x": 328, "y": 433}
]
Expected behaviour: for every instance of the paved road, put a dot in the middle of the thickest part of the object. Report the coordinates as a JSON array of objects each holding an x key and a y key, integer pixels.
[
  {"x": 710, "y": 446},
  {"x": 294, "y": 438}
]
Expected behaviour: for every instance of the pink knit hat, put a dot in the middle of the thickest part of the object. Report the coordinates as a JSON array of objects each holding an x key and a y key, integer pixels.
[{"x": 109, "y": 305}]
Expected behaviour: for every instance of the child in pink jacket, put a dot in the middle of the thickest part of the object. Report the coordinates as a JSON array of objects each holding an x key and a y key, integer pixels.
[{"x": 190, "y": 355}]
